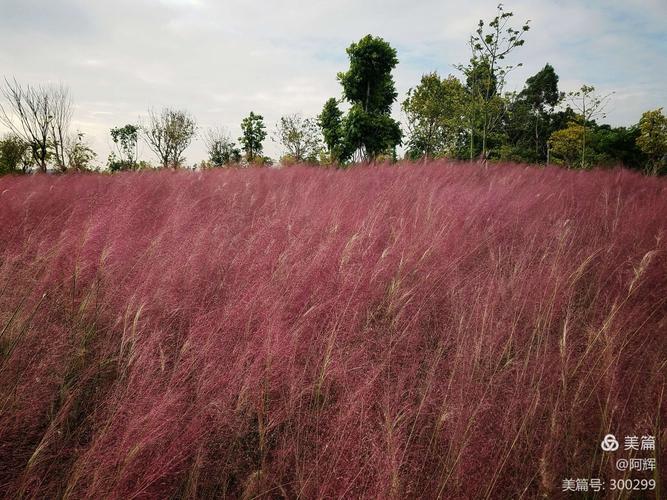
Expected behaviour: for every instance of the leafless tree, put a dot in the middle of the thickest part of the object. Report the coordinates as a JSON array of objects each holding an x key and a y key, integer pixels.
[
  {"x": 168, "y": 134},
  {"x": 28, "y": 113},
  {"x": 61, "y": 112}
]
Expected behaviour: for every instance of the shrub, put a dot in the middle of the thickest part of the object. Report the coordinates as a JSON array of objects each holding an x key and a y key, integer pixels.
[{"x": 14, "y": 155}]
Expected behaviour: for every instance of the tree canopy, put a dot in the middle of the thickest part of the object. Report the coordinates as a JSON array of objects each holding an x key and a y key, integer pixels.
[
  {"x": 368, "y": 130},
  {"x": 253, "y": 133}
]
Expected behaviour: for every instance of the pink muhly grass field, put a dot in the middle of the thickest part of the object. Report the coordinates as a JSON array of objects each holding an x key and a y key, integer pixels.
[{"x": 411, "y": 331}]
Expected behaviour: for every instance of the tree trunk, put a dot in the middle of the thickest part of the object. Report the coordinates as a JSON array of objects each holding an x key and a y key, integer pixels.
[
  {"x": 583, "y": 148},
  {"x": 42, "y": 158},
  {"x": 537, "y": 139},
  {"x": 583, "y": 137},
  {"x": 548, "y": 152},
  {"x": 484, "y": 139}
]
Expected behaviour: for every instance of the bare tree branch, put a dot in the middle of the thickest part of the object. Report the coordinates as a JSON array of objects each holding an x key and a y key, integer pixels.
[
  {"x": 28, "y": 113},
  {"x": 61, "y": 111}
]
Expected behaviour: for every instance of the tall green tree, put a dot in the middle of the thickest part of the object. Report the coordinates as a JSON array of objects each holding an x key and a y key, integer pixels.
[
  {"x": 530, "y": 118},
  {"x": 253, "y": 133},
  {"x": 331, "y": 124},
  {"x": 486, "y": 74},
  {"x": 125, "y": 140},
  {"x": 542, "y": 95},
  {"x": 368, "y": 85},
  {"x": 517, "y": 131},
  {"x": 433, "y": 113},
  {"x": 653, "y": 140}
]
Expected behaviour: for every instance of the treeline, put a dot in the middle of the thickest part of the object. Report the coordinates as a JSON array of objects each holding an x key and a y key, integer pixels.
[{"x": 469, "y": 117}]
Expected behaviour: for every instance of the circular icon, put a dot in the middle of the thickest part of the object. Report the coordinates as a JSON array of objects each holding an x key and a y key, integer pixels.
[{"x": 609, "y": 443}]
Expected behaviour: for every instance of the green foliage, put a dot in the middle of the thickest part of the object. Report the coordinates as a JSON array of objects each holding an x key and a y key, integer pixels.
[
  {"x": 433, "y": 110},
  {"x": 541, "y": 90},
  {"x": 653, "y": 140},
  {"x": 144, "y": 165},
  {"x": 518, "y": 144},
  {"x": 125, "y": 140},
  {"x": 368, "y": 129},
  {"x": 225, "y": 153},
  {"x": 481, "y": 81},
  {"x": 368, "y": 81},
  {"x": 222, "y": 150},
  {"x": 115, "y": 164},
  {"x": 253, "y": 135},
  {"x": 618, "y": 146},
  {"x": 575, "y": 138},
  {"x": 530, "y": 118},
  {"x": 79, "y": 155},
  {"x": 287, "y": 160},
  {"x": 514, "y": 153},
  {"x": 566, "y": 144},
  {"x": 300, "y": 137},
  {"x": 605, "y": 145},
  {"x": 541, "y": 94},
  {"x": 14, "y": 155},
  {"x": 262, "y": 161},
  {"x": 372, "y": 133},
  {"x": 331, "y": 124},
  {"x": 168, "y": 134}
]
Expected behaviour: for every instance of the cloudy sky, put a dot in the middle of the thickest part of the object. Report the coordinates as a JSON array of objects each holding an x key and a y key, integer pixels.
[{"x": 222, "y": 59}]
